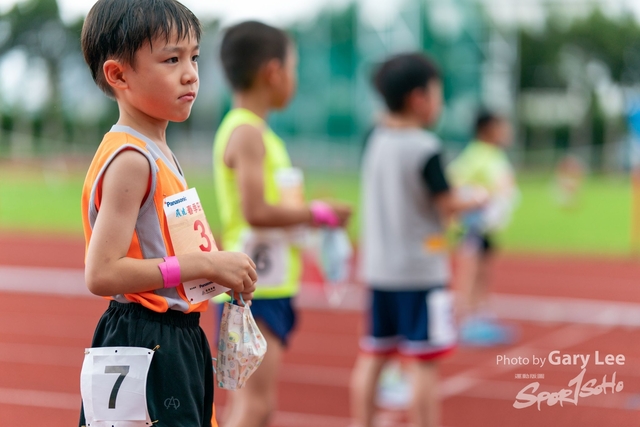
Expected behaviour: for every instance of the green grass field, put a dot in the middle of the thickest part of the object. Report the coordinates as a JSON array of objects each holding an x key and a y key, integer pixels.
[{"x": 49, "y": 202}]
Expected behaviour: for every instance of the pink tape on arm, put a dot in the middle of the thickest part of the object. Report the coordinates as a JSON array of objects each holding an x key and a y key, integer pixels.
[
  {"x": 170, "y": 270},
  {"x": 323, "y": 214}
]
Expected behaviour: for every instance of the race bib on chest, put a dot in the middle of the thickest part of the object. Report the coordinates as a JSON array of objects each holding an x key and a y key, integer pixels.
[
  {"x": 269, "y": 250},
  {"x": 190, "y": 232},
  {"x": 113, "y": 385}
]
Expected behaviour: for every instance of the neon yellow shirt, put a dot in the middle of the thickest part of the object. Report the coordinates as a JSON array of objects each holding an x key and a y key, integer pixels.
[
  {"x": 482, "y": 164},
  {"x": 233, "y": 222}
]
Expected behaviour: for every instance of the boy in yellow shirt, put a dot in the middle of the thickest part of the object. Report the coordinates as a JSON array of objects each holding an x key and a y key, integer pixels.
[
  {"x": 483, "y": 163},
  {"x": 260, "y": 198}
]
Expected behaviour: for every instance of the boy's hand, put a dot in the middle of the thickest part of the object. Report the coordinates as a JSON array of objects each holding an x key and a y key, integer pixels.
[
  {"x": 342, "y": 210},
  {"x": 236, "y": 271},
  {"x": 333, "y": 214},
  {"x": 480, "y": 197}
]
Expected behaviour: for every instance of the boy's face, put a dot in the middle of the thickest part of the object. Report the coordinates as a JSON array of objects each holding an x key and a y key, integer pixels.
[
  {"x": 427, "y": 105},
  {"x": 163, "y": 82},
  {"x": 504, "y": 134},
  {"x": 499, "y": 133},
  {"x": 285, "y": 79}
]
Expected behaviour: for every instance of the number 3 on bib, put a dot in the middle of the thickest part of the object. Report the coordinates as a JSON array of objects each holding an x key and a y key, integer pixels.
[
  {"x": 199, "y": 226},
  {"x": 113, "y": 384},
  {"x": 190, "y": 232}
]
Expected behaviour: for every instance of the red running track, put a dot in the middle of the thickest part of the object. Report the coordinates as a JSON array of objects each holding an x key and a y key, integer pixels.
[{"x": 42, "y": 338}]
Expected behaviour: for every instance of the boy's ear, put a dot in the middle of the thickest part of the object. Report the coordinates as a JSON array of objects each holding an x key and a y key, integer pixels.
[
  {"x": 271, "y": 72},
  {"x": 114, "y": 74},
  {"x": 414, "y": 98}
]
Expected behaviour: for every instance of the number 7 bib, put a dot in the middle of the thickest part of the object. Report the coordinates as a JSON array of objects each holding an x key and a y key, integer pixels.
[
  {"x": 113, "y": 384},
  {"x": 190, "y": 232}
]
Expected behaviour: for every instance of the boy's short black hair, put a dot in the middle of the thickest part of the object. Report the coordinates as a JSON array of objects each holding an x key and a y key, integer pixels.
[
  {"x": 484, "y": 119},
  {"x": 116, "y": 29},
  {"x": 396, "y": 77},
  {"x": 246, "y": 47}
]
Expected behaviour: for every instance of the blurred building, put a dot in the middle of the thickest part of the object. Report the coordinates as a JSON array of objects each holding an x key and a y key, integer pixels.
[{"x": 336, "y": 105}]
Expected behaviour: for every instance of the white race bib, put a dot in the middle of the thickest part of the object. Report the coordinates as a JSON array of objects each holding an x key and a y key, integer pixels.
[
  {"x": 442, "y": 330},
  {"x": 269, "y": 250},
  {"x": 190, "y": 232},
  {"x": 113, "y": 384}
]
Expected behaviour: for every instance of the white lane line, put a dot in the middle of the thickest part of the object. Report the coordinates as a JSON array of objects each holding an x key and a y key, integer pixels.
[
  {"x": 49, "y": 281},
  {"x": 60, "y": 281},
  {"x": 314, "y": 296},
  {"x": 570, "y": 310},
  {"x": 40, "y": 399},
  {"x": 38, "y": 354},
  {"x": 50, "y": 355}
]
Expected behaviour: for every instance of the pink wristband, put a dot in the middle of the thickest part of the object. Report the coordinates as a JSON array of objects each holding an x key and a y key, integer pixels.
[
  {"x": 170, "y": 270},
  {"x": 323, "y": 214}
]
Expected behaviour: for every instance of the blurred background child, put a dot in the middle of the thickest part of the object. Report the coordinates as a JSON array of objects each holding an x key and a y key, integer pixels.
[
  {"x": 406, "y": 202},
  {"x": 261, "y": 200},
  {"x": 483, "y": 164}
]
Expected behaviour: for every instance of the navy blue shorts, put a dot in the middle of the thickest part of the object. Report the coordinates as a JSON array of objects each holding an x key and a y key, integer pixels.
[
  {"x": 277, "y": 313},
  {"x": 483, "y": 242},
  {"x": 416, "y": 323}
]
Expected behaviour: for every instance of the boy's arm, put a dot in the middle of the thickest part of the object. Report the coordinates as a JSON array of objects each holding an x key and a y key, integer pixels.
[
  {"x": 245, "y": 154},
  {"x": 448, "y": 202},
  {"x": 108, "y": 269}
]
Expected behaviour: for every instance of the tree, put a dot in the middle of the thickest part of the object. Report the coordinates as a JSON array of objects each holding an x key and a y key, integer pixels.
[
  {"x": 612, "y": 41},
  {"x": 35, "y": 27},
  {"x": 581, "y": 56}
]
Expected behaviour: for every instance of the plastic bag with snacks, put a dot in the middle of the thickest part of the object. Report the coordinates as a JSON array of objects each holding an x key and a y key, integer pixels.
[{"x": 241, "y": 346}]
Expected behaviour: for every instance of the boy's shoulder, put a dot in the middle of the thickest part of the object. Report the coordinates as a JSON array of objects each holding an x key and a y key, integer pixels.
[
  {"x": 485, "y": 152},
  {"x": 119, "y": 139},
  {"x": 233, "y": 119},
  {"x": 419, "y": 139},
  {"x": 240, "y": 116},
  {"x": 429, "y": 137},
  {"x": 116, "y": 138}
]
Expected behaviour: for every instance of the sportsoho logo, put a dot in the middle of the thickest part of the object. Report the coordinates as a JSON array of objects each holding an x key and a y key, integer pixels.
[{"x": 577, "y": 387}]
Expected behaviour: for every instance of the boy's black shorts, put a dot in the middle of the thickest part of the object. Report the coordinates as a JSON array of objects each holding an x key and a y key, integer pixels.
[{"x": 180, "y": 379}]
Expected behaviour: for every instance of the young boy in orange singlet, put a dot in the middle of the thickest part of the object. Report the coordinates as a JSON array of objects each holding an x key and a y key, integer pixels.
[{"x": 143, "y": 53}]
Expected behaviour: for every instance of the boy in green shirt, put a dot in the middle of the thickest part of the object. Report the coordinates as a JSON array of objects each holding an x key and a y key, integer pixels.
[
  {"x": 260, "y": 198},
  {"x": 483, "y": 163}
]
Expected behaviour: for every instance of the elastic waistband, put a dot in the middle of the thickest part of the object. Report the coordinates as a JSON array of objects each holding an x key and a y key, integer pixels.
[{"x": 170, "y": 317}]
